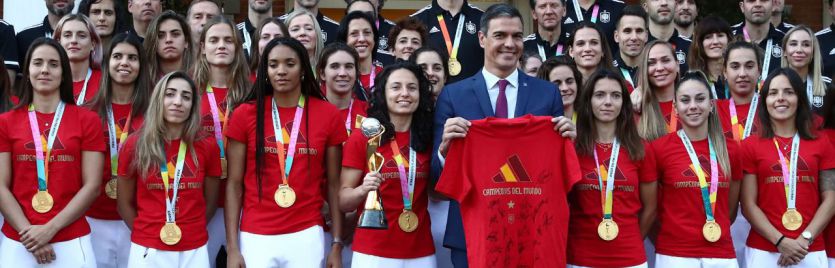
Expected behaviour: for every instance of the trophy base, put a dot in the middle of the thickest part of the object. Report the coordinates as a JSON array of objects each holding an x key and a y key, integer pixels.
[{"x": 373, "y": 219}]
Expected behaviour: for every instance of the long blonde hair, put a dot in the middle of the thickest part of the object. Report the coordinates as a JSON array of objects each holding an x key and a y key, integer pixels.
[
  {"x": 95, "y": 55},
  {"x": 819, "y": 88},
  {"x": 238, "y": 79},
  {"x": 149, "y": 148},
  {"x": 651, "y": 124},
  {"x": 714, "y": 126},
  {"x": 320, "y": 43}
]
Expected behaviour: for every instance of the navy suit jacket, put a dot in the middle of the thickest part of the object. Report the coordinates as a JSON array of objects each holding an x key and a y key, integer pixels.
[{"x": 469, "y": 99}]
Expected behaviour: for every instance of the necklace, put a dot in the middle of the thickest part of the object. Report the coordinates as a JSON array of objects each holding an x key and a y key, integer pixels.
[{"x": 604, "y": 146}]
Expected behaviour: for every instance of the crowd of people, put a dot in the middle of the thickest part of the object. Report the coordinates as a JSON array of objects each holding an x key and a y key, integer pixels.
[{"x": 134, "y": 136}]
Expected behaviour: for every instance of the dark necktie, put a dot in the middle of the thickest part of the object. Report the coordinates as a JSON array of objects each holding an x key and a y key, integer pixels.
[{"x": 501, "y": 101}]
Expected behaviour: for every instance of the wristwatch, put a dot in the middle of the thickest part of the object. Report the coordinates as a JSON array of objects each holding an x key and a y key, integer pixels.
[{"x": 808, "y": 236}]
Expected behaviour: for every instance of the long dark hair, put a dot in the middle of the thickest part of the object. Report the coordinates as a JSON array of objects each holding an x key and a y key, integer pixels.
[
  {"x": 625, "y": 129},
  {"x": 264, "y": 89},
  {"x": 5, "y": 89},
  {"x": 413, "y": 58},
  {"x": 697, "y": 58},
  {"x": 141, "y": 86},
  {"x": 606, "y": 59},
  {"x": 422, "y": 119},
  {"x": 552, "y": 63},
  {"x": 64, "y": 90},
  {"x": 121, "y": 13},
  {"x": 803, "y": 115}
]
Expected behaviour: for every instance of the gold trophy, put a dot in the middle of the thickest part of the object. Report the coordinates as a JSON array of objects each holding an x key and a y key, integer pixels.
[{"x": 373, "y": 217}]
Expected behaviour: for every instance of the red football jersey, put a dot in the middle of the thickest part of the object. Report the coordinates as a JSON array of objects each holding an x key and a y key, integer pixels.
[
  {"x": 681, "y": 211},
  {"x": 724, "y": 111},
  {"x": 209, "y": 125},
  {"x": 829, "y": 233},
  {"x": 321, "y": 127},
  {"x": 92, "y": 86},
  {"x": 389, "y": 243},
  {"x": 358, "y": 108},
  {"x": 666, "y": 111},
  {"x": 365, "y": 79},
  {"x": 512, "y": 178},
  {"x": 150, "y": 194},
  {"x": 104, "y": 207},
  {"x": 760, "y": 158},
  {"x": 587, "y": 248},
  {"x": 80, "y": 130}
]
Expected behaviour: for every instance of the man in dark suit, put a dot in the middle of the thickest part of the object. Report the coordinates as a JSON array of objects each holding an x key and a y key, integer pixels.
[{"x": 498, "y": 90}]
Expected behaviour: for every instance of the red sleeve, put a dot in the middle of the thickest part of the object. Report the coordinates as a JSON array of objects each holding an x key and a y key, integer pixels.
[
  {"x": 747, "y": 159},
  {"x": 353, "y": 154},
  {"x": 735, "y": 161},
  {"x": 93, "y": 139},
  {"x": 571, "y": 170},
  {"x": 646, "y": 166},
  {"x": 336, "y": 130},
  {"x": 126, "y": 155},
  {"x": 454, "y": 182},
  {"x": 237, "y": 124},
  {"x": 827, "y": 162},
  {"x": 5, "y": 142},
  {"x": 212, "y": 158}
]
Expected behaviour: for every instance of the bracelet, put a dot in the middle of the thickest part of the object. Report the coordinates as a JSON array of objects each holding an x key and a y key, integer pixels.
[
  {"x": 779, "y": 240},
  {"x": 337, "y": 241}
]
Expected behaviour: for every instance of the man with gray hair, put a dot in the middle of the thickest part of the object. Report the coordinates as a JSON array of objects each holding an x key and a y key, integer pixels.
[
  {"x": 55, "y": 11},
  {"x": 199, "y": 13}
]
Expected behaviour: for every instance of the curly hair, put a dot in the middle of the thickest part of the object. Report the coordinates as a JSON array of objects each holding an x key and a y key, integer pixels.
[{"x": 422, "y": 118}]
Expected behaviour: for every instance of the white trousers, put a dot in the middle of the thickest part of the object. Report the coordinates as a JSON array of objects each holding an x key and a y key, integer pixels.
[
  {"x": 831, "y": 262},
  {"x": 111, "y": 242},
  {"x": 144, "y": 257},
  {"x": 217, "y": 236},
  {"x": 643, "y": 265},
  {"x": 371, "y": 261},
  {"x": 665, "y": 261},
  {"x": 347, "y": 252},
  {"x": 739, "y": 233},
  {"x": 764, "y": 259},
  {"x": 438, "y": 212},
  {"x": 73, "y": 253},
  {"x": 302, "y": 249}
]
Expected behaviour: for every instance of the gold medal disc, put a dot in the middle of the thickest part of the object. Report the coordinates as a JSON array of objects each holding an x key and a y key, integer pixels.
[
  {"x": 792, "y": 219},
  {"x": 712, "y": 231},
  {"x": 110, "y": 188},
  {"x": 285, "y": 196},
  {"x": 170, "y": 234},
  {"x": 42, "y": 202},
  {"x": 454, "y": 67},
  {"x": 608, "y": 230},
  {"x": 223, "y": 168},
  {"x": 408, "y": 221}
]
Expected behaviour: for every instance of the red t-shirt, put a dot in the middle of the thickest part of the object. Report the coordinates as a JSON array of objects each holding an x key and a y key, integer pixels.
[
  {"x": 760, "y": 158},
  {"x": 209, "y": 125},
  {"x": 321, "y": 128},
  {"x": 150, "y": 194},
  {"x": 829, "y": 233},
  {"x": 80, "y": 130},
  {"x": 512, "y": 178},
  {"x": 724, "y": 110},
  {"x": 666, "y": 111},
  {"x": 681, "y": 211},
  {"x": 587, "y": 249},
  {"x": 389, "y": 243},
  {"x": 104, "y": 207},
  {"x": 359, "y": 108},
  {"x": 365, "y": 79},
  {"x": 92, "y": 86}
]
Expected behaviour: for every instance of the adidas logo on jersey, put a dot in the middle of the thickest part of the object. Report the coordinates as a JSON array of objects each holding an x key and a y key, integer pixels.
[
  {"x": 568, "y": 21},
  {"x": 434, "y": 30},
  {"x": 832, "y": 52}
]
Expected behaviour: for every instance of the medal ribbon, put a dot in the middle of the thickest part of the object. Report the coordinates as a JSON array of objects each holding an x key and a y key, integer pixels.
[
  {"x": 116, "y": 138},
  {"x": 809, "y": 88},
  {"x": 740, "y": 132},
  {"x": 790, "y": 170},
  {"x": 348, "y": 118},
  {"x": 216, "y": 119},
  {"x": 627, "y": 76},
  {"x": 673, "y": 120},
  {"x": 286, "y": 164},
  {"x": 607, "y": 177},
  {"x": 767, "y": 60},
  {"x": 708, "y": 191},
  {"x": 579, "y": 13},
  {"x": 83, "y": 93},
  {"x": 43, "y": 159},
  {"x": 407, "y": 184},
  {"x": 451, "y": 47},
  {"x": 542, "y": 51},
  {"x": 171, "y": 202}
]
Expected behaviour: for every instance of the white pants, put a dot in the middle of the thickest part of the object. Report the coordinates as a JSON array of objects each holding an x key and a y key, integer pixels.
[
  {"x": 643, "y": 265},
  {"x": 346, "y": 251},
  {"x": 438, "y": 212},
  {"x": 665, "y": 261},
  {"x": 831, "y": 262},
  {"x": 764, "y": 259},
  {"x": 217, "y": 236},
  {"x": 111, "y": 242},
  {"x": 302, "y": 249},
  {"x": 739, "y": 233},
  {"x": 371, "y": 261},
  {"x": 73, "y": 253},
  {"x": 144, "y": 257}
]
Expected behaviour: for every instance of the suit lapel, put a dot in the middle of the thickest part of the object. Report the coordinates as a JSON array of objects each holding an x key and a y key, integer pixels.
[
  {"x": 479, "y": 87},
  {"x": 522, "y": 94}
]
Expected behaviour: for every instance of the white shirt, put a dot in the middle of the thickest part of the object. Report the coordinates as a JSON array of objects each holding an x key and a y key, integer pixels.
[{"x": 511, "y": 91}]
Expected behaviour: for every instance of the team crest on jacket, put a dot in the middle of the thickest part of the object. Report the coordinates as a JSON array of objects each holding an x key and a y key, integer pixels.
[
  {"x": 605, "y": 16},
  {"x": 817, "y": 101},
  {"x": 324, "y": 35},
  {"x": 776, "y": 51},
  {"x": 682, "y": 58},
  {"x": 470, "y": 27},
  {"x": 384, "y": 43}
]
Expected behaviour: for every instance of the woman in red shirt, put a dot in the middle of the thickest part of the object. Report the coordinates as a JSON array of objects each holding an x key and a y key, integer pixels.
[
  {"x": 50, "y": 166},
  {"x": 338, "y": 74},
  {"x": 615, "y": 191},
  {"x": 169, "y": 190},
  {"x": 78, "y": 36},
  {"x": 357, "y": 31},
  {"x": 404, "y": 107},
  {"x": 563, "y": 72},
  {"x": 828, "y": 113},
  {"x": 742, "y": 71},
  {"x": 788, "y": 192},
  {"x": 222, "y": 77},
  {"x": 168, "y": 45},
  {"x": 120, "y": 103},
  {"x": 434, "y": 67},
  {"x": 698, "y": 174},
  {"x": 656, "y": 91},
  {"x": 275, "y": 194}
]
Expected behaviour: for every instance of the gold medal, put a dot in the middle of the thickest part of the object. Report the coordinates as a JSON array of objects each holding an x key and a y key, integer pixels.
[
  {"x": 712, "y": 231},
  {"x": 408, "y": 221},
  {"x": 792, "y": 219},
  {"x": 285, "y": 196},
  {"x": 223, "y": 168},
  {"x": 170, "y": 234},
  {"x": 454, "y": 67},
  {"x": 110, "y": 188},
  {"x": 42, "y": 202},
  {"x": 608, "y": 230}
]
